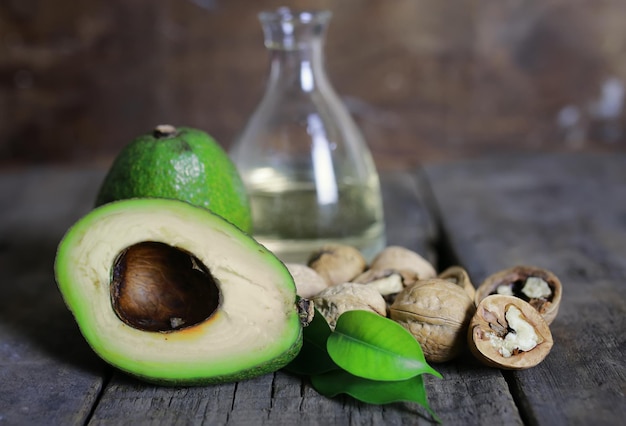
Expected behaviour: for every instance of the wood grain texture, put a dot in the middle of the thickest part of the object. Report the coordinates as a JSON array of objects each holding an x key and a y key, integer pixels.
[
  {"x": 34, "y": 219},
  {"x": 279, "y": 398},
  {"x": 565, "y": 214},
  {"x": 48, "y": 374}
]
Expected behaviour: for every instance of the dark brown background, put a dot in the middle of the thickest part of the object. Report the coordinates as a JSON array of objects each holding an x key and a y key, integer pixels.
[{"x": 428, "y": 80}]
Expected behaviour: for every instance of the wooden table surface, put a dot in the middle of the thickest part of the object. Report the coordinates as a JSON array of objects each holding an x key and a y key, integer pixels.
[{"x": 566, "y": 213}]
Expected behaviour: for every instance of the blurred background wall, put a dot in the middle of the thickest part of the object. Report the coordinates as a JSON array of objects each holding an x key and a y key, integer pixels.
[{"x": 427, "y": 80}]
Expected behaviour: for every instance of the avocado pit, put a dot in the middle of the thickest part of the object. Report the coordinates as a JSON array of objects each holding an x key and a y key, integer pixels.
[{"x": 160, "y": 288}]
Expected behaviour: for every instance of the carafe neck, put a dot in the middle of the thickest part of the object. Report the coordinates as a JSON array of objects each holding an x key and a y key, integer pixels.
[{"x": 295, "y": 42}]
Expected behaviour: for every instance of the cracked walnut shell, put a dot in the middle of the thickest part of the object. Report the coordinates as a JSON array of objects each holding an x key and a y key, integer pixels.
[
  {"x": 508, "y": 333},
  {"x": 335, "y": 300},
  {"x": 459, "y": 276},
  {"x": 537, "y": 286}
]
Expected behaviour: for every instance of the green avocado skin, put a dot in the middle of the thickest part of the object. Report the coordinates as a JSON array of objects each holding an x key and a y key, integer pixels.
[
  {"x": 63, "y": 267},
  {"x": 260, "y": 370},
  {"x": 189, "y": 166}
]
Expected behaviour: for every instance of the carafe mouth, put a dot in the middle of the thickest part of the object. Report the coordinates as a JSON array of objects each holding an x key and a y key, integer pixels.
[
  {"x": 290, "y": 29},
  {"x": 287, "y": 15}
]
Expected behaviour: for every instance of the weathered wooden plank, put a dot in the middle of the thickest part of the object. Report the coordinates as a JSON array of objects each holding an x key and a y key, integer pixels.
[
  {"x": 48, "y": 374},
  {"x": 566, "y": 214},
  {"x": 464, "y": 396},
  {"x": 42, "y": 348},
  {"x": 279, "y": 398}
]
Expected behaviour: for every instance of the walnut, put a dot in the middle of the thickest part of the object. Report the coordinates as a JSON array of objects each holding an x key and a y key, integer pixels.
[
  {"x": 394, "y": 269},
  {"x": 539, "y": 287},
  {"x": 437, "y": 312},
  {"x": 402, "y": 259},
  {"x": 335, "y": 300},
  {"x": 308, "y": 282},
  {"x": 337, "y": 263},
  {"x": 507, "y": 332}
]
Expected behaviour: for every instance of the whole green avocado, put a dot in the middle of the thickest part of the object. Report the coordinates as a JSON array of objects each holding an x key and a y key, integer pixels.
[{"x": 183, "y": 164}]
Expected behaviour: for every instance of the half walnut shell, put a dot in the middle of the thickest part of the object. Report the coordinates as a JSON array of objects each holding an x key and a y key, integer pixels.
[
  {"x": 508, "y": 333},
  {"x": 459, "y": 276},
  {"x": 388, "y": 282},
  {"x": 537, "y": 286}
]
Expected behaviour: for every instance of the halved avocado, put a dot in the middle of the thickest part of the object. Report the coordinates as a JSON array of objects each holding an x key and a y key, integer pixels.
[{"x": 174, "y": 294}]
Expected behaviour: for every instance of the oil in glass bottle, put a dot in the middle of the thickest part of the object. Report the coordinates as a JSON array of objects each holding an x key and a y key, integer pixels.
[{"x": 309, "y": 174}]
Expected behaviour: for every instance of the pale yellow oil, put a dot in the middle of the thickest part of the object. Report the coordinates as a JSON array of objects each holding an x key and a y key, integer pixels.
[{"x": 293, "y": 219}]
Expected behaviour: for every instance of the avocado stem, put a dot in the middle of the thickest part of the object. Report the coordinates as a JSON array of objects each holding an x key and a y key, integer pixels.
[
  {"x": 164, "y": 131},
  {"x": 306, "y": 311}
]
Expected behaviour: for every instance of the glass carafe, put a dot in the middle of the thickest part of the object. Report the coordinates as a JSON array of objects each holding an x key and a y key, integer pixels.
[{"x": 310, "y": 176}]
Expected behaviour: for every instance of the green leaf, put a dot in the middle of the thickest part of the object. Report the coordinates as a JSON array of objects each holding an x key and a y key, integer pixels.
[
  {"x": 374, "y": 347},
  {"x": 336, "y": 382},
  {"x": 313, "y": 357}
]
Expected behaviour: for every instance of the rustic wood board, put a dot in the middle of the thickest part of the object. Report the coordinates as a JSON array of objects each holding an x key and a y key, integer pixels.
[
  {"x": 282, "y": 399},
  {"x": 563, "y": 213},
  {"x": 566, "y": 214},
  {"x": 50, "y": 376}
]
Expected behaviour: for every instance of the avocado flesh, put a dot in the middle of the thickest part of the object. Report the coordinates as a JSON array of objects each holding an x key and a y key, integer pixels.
[{"x": 254, "y": 330}]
